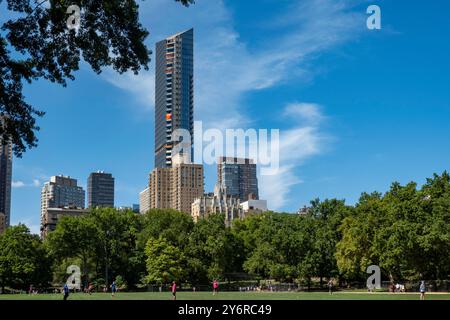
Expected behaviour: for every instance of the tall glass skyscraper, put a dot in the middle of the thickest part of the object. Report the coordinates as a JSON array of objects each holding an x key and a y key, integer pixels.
[
  {"x": 174, "y": 93},
  {"x": 100, "y": 190},
  {"x": 238, "y": 177},
  {"x": 5, "y": 182}
]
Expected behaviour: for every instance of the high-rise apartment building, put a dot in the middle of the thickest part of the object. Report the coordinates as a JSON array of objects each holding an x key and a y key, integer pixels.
[
  {"x": 100, "y": 190},
  {"x": 60, "y": 192},
  {"x": 174, "y": 94},
  {"x": 160, "y": 188},
  {"x": 238, "y": 177},
  {"x": 176, "y": 187},
  {"x": 5, "y": 181},
  {"x": 144, "y": 200},
  {"x": 187, "y": 185}
]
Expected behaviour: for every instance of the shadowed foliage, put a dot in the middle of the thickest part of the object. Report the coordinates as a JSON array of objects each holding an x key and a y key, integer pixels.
[{"x": 35, "y": 43}]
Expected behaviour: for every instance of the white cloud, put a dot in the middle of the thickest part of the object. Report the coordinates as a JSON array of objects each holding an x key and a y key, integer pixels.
[
  {"x": 275, "y": 188},
  {"x": 142, "y": 86},
  {"x": 225, "y": 67},
  {"x": 297, "y": 144},
  {"x": 18, "y": 184},
  {"x": 308, "y": 112}
]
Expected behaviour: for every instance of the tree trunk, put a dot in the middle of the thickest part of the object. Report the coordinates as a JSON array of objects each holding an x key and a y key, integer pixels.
[
  {"x": 106, "y": 275},
  {"x": 85, "y": 271}
]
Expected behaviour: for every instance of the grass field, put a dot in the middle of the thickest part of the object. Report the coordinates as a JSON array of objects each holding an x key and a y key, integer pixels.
[{"x": 353, "y": 295}]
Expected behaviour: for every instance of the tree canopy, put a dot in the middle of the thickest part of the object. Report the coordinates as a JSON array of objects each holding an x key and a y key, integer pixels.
[
  {"x": 406, "y": 232},
  {"x": 35, "y": 43},
  {"x": 23, "y": 259}
]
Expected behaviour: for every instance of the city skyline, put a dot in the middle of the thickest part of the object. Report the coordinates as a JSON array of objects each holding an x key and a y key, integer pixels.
[{"x": 364, "y": 124}]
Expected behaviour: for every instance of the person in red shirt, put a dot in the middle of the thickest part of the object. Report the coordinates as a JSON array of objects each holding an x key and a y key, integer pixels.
[
  {"x": 90, "y": 288},
  {"x": 174, "y": 290},
  {"x": 215, "y": 287}
]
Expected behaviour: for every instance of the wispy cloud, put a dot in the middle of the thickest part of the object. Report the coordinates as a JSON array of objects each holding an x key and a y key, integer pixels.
[
  {"x": 310, "y": 113},
  {"x": 18, "y": 184},
  {"x": 141, "y": 87},
  {"x": 297, "y": 144},
  {"x": 226, "y": 67}
]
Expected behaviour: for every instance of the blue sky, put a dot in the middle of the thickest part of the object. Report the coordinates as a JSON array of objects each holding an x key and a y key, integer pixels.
[{"x": 357, "y": 109}]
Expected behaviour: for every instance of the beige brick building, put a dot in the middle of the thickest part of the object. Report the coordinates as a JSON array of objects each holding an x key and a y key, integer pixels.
[
  {"x": 160, "y": 188},
  {"x": 176, "y": 187},
  {"x": 51, "y": 217}
]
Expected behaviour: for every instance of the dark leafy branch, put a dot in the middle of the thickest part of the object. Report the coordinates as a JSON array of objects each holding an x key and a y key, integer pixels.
[{"x": 38, "y": 45}]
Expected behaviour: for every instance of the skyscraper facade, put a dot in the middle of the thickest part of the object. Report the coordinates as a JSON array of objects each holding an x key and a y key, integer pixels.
[
  {"x": 5, "y": 181},
  {"x": 60, "y": 192},
  {"x": 100, "y": 190},
  {"x": 144, "y": 200},
  {"x": 238, "y": 177},
  {"x": 176, "y": 187},
  {"x": 174, "y": 93}
]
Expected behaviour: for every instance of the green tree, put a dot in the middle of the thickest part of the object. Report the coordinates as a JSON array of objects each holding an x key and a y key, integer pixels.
[
  {"x": 325, "y": 234},
  {"x": 115, "y": 246},
  {"x": 210, "y": 249},
  {"x": 23, "y": 259},
  {"x": 36, "y": 44},
  {"x": 172, "y": 225},
  {"x": 355, "y": 251},
  {"x": 406, "y": 232},
  {"x": 104, "y": 240},
  {"x": 73, "y": 237},
  {"x": 274, "y": 244},
  {"x": 165, "y": 262}
]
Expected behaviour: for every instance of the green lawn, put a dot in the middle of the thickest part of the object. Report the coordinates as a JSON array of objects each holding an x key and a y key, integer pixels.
[{"x": 232, "y": 296}]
